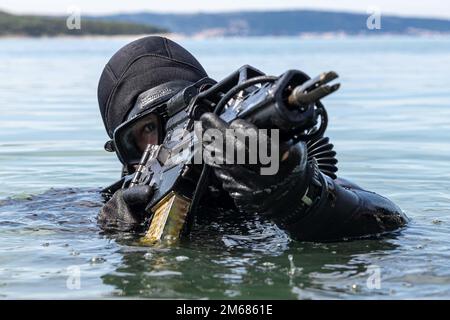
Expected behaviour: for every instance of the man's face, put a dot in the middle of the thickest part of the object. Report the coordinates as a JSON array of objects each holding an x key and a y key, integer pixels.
[{"x": 145, "y": 131}]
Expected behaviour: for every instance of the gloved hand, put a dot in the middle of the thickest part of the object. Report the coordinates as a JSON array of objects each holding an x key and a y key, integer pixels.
[
  {"x": 251, "y": 191},
  {"x": 126, "y": 209}
]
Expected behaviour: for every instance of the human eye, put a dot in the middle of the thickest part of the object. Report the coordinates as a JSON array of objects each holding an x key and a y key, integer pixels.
[{"x": 150, "y": 127}]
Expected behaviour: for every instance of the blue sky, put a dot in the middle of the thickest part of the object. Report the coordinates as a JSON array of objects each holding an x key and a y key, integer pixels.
[{"x": 431, "y": 8}]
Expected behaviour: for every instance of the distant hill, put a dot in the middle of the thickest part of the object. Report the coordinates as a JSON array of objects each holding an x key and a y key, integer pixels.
[
  {"x": 285, "y": 23},
  {"x": 53, "y": 26}
]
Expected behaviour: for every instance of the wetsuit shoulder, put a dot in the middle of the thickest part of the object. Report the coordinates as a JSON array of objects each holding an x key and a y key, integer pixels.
[{"x": 347, "y": 211}]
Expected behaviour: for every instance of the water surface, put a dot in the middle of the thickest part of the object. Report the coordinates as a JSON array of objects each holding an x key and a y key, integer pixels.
[{"x": 389, "y": 124}]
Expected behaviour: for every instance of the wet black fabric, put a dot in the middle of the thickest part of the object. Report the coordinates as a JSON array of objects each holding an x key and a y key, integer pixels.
[
  {"x": 347, "y": 212},
  {"x": 137, "y": 67}
]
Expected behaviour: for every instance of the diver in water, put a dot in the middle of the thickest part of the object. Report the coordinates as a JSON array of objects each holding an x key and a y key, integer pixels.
[{"x": 306, "y": 200}]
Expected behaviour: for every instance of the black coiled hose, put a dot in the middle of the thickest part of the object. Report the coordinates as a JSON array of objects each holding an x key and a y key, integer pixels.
[{"x": 322, "y": 151}]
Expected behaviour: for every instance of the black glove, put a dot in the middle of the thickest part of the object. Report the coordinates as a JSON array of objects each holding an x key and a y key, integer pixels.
[
  {"x": 126, "y": 209},
  {"x": 270, "y": 195}
]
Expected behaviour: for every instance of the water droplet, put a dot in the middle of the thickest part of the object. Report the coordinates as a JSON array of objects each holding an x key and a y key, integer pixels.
[
  {"x": 355, "y": 287},
  {"x": 95, "y": 260},
  {"x": 407, "y": 284},
  {"x": 268, "y": 265},
  {"x": 181, "y": 258},
  {"x": 148, "y": 256},
  {"x": 232, "y": 293}
]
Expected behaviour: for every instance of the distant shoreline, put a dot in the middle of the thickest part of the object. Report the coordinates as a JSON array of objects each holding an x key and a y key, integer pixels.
[
  {"x": 177, "y": 36},
  {"x": 282, "y": 23},
  {"x": 37, "y": 26},
  {"x": 296, "y": 23},
  {"x": 92, "y": 36}
]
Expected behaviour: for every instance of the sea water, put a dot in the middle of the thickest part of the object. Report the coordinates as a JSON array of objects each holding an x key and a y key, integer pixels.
[{"x": 389, "y": 122}]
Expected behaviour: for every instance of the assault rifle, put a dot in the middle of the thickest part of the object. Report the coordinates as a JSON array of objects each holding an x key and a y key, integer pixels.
[{"x": 289, "y": 103}]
